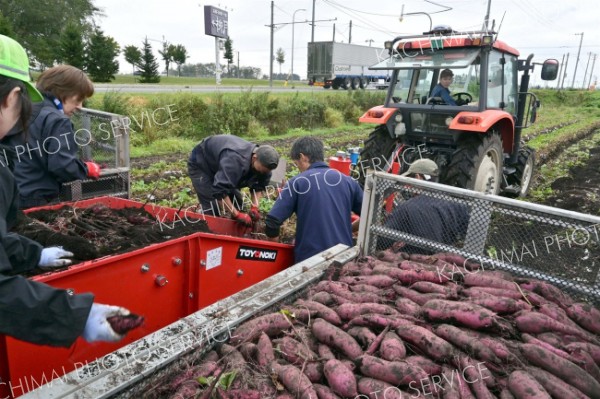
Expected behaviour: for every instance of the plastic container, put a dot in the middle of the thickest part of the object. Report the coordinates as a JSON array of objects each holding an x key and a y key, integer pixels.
[{"x": 341, "y": 163}]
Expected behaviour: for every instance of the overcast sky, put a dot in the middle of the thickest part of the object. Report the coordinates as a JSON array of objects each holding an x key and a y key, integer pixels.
[{"x": 546, "y": 28}]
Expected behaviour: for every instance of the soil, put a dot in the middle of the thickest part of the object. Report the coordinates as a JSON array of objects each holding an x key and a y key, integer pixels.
[{"x": 97, "y": 231}]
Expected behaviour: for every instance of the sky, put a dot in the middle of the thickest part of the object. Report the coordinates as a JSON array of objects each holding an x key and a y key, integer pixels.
[{"x": 546, "y": 28}]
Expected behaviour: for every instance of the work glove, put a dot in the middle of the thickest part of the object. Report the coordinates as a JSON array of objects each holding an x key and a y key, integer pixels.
[
  {"x": 54, "y": 257},
  {"x": 97, "y": 328},
  {"x": 93, "y": 170},
  {"x": 243, "y": 218},
  {"x": 254, "y": 213}
]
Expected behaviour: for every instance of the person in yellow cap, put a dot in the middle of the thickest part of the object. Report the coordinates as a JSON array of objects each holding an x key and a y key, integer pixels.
[{"x": 29, "y": 310}]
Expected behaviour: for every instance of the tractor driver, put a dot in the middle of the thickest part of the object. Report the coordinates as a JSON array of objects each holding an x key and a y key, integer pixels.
[{"x": 442, "y": 88}]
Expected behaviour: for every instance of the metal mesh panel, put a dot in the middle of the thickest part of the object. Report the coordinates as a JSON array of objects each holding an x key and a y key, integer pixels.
[
  {"x": 528, "y": 240},
  {"x": 103, "y": 138}
]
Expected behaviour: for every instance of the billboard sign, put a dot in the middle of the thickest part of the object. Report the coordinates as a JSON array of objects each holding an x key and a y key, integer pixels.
[{"x": 215, "y": 22}]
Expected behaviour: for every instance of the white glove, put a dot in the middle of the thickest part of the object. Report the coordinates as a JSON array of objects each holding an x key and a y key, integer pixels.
[
  {"x": 52, "y": 257},
  {"x": 97, "y": 328}
]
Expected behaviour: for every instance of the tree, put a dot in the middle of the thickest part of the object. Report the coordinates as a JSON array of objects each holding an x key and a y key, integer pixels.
[
  {"x": 148, "y": 65},
  {"x": 228, "y": 54},
  {"x": 280, "y": 57},
  {"x": 102, "y": 51},
  {"x": 6, "y": 28},
  {"x": 179, "y": 57},
  {"x": 167, "y": 54},
  {"x": 132, "y": 55},
  {"x": 38, "y": 26},
  {"x": 72, "y": 47}
]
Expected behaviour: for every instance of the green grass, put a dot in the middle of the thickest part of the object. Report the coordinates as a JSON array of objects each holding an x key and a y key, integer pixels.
[{"x": 189, "y": 81}]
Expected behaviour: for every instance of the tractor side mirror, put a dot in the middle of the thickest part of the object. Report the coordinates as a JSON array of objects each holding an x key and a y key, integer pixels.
[{"x": 550, "y": 69}]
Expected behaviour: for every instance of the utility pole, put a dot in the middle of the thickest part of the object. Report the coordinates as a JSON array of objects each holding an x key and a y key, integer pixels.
[
  {"x": 369, "y": 41},
  {"x": 564, "y": 72},
  {"x": 586, "y": 69},
  {"x": 272, "y": 36},
  {"x": 592, "y": 70},
  {"x": 562, "y": 64},
  {"x": 350, "y": 33},
  {"x": 486, "y": 19},
  {"x": 312, "y": 32},
  {"x": 577, "y": 61},
  {"x": 238, "y": 57},
  {"x": 333, "y": 40}
]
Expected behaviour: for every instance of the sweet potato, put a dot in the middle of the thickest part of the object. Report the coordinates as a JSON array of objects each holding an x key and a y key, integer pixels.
[
  {"x": 464, "y": 313},
  {"x": 233, "y": 358},
  {"x": 264, "y": 353},
  {"x": 293, "y": 351},
  {"x": 547, "y": 291},
  {"x": 476, "y": 376},
  {"x": 558, "y": 314},
  {"x": 474, "y": 347},
  {"x": 410, "y": 276},
  {"x": 335, "y": 337},
  {"x": 459, "y": 260},
  {"x": 313, "y": 370},
  {"x": 487, "y": 280},
  {"x": 376, "y": 280},
  {"x": 524, "y": 386},
  {"x": 350, "y": 311},
  {"x": 294, "y": 381},
  {"x": 322, "y": 297},
  {"x": 552, "y": 338},
  {"x": 389, "y": 255},
  {"x": 324, "y": 392},
  {"x": 271, "y": 324},
  {"x": 532, "y": 340},
  {"x": 536, "y": 323},
  {"x": 449, "y": 380},
  {"x": 123, "y": 324},
  {"x": 500, "y": 305},
  {"x": 586, "y": 316},
  {"x": 321, "y": 310},
  {"x": 450, "y": 290},
  {"x": 248, "y": 351},
  {"x": 374, "y": 346},
  {"x": 306, "y": 336},
  {"x": 392, "y": 348},
  {"x": 416, "y": 296},
  {"x": 381, "y": 320},
  {"x": 593, "y": 350},
  {"x": 554, "y": 385},
  {"x": 238, "y": 394},
  {"x": 362, "y": 287},
  {"x": 427, "y": 342},
  {"x": 562, "y": 368},
  {"x": 408, "y": 306},
  {"x": 397, "y": 373},
  {"x": 363, "y": 335},
  {"x": 377, "y": 389},
  {"x": 505, "y": 394},
  {"x": 340, "y": 379},
  {"x": 325, "y": 352},
  {"x": 430, "y": 367},
  {"x": 584, "y": 360}
]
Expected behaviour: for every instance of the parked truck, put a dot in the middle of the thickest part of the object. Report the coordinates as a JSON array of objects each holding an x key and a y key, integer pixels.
[
  {"x": 341, "y": 65},
  {"x": 476, "y": 139}
]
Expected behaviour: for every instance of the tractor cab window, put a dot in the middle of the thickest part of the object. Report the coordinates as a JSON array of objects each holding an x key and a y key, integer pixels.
[
  {"x": 502, "y": 81},
  {"x": 402, "y": 87}
]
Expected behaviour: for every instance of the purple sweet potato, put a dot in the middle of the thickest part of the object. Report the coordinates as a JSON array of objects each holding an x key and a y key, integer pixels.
[
  {"x": 430, "y": 367},
  {"x": 264, "y": 353},
  {"x": 408, "y": 306},
  {"x": 340, "y": 379},
  {"x": 593, "y": 350},
  {"x": 238, "y": 394},
  {"x": 487, "y": 280},
  {"x": 584, "y": 360},
  {"x": 554, "y": 385},
  {"x": 524, "y": 386},
  {"x": 416, "y": 296},
  {"x": 376, "y": 280},
  {"x": 232, "y": 356},
  {"x": 397, "y": 373},
  {"x": 294, "y": 381},
  {"x": 547, "y": 291},
  {"x": 450, "y": 290},
  {"x": 536, "y": 323},
  {"x": 324, "y": 392},
  {"x": 363, "y": 335},
  {"x": 460, "y": 339},
  {"x": 501, "y": 305},
  {"x": 349, "y": 311},
  {"x": 325, "y": 352},
  {"x": 271, "y": 324},
  {"x": 533, "y": 340},
  {"x": 586, "y": 316},
  {"x": 123, "y": 324},
  {"x": 563, "y": 369},
  {"x": 464, "y": 313},
  {"x": 392, "y": 348},
  {"x": 427, "y": 342},
  {"x": 410, "y": 276},
  {"x": 293, "y": 351},
  {"x": 476, "y": 376},
  {"x": 321, "y": 310},
  {"x": 381, "y": 320},
  {"x": 335, "y": 337},
  {"x": 313, "y": 370},
  {"x": 377, "y": 389}
]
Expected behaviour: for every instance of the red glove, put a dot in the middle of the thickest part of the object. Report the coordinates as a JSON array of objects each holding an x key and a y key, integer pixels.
[
  {"x": 254, "y": 213},
  {"x": 243, "y": 218},
  {"x": 93, "y": 170}
]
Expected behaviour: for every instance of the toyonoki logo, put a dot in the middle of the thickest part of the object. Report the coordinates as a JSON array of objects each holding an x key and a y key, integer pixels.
[{"x": 250, "y": 253}]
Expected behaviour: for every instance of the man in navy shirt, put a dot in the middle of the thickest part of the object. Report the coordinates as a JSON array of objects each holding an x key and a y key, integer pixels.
[
  {"x": 322, "y": 198},
  {"x": 441, "y": 89}
]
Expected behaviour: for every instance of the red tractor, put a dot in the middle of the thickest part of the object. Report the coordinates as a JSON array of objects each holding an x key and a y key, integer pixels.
[{"x": 475, "y": 134}]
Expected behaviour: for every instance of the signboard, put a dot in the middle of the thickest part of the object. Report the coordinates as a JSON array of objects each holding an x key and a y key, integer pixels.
[{"x": 215, "y": 22}]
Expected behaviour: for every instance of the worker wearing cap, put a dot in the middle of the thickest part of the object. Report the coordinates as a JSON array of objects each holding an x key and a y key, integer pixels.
[
  {"x": 442, "y": 88},
  {"x": 49, "y": 157},
  {"x": 322, "y": 199},
  {"x": 29, "y": 310},
  {"x": 424, "y": 216},
  {"x": 221, "y": 165}
]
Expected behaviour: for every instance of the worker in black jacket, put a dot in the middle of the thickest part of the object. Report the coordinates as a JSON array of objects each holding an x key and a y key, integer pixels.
[
  {"x": 221, "y": 165},
  {"x": 29, "y": 310},
  {"x": 432, "y": 218}
]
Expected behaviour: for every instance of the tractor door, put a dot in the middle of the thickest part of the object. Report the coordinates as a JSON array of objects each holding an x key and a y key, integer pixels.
[{"x": 502, "y": 82}]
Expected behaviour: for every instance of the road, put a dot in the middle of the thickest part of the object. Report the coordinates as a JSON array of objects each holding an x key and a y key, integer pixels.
[{"x": 150, "y": 88}]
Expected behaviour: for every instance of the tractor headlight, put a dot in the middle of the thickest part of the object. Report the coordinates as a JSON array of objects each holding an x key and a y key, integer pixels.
[{"x": 398, "y": 118}]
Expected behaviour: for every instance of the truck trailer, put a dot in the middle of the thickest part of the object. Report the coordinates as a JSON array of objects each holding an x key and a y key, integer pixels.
[{"x": 341, "y": 65}]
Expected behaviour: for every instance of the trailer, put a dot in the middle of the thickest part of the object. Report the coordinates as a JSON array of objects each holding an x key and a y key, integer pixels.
[
  {"x": 341, "y": 65},
  {"x": 527, "y": 240}
]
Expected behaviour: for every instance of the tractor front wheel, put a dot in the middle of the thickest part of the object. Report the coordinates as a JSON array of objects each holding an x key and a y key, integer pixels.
[
  {"x": 525, "y": 167},
  {"x": 376, "y": 153},
  {"x": 477, "y": 164}
]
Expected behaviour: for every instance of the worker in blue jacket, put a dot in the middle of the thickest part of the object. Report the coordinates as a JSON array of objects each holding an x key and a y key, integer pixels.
[
  {"x": 442, "y": 88},
  {"x": 49, "y": 157},
  {"x": 322, "y": 199},
  {"x": 219, "y": 166},
  {"x": 29, "y": 310}
]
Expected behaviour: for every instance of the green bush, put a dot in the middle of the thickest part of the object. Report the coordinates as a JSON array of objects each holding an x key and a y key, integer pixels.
[{"x": 333, "y": 118}]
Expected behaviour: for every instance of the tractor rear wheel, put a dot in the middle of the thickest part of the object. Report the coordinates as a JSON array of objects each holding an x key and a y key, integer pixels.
[
  {"x": 376, "y": 152},
  {"x": 525, "y": 167},
  {"x": 477, "y": 164}
]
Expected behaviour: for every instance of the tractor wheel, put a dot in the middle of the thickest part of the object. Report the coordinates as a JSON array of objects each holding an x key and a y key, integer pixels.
[
  {"x": 476, "y": 164},
  {"x": 377, "y": 150},
  {"x": 525, "y": 166}
]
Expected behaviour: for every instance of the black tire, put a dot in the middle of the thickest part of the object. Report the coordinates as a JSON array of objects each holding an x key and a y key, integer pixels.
[
  {"x": 363, "y": 83},
  {"x": 375, "y": 153},
  {"x": 326, "y": 87},
  {"x": 335, "y": 84},
  {"x": 476, "y": 164},
  {"x": 525, "y": 168},
  {"x": 355, "y": 83},
  {"x": 346, "y": 83}
]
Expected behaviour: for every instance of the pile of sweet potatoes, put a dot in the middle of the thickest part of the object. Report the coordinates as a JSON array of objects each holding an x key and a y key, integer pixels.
[{"x": 409, "y": 326}]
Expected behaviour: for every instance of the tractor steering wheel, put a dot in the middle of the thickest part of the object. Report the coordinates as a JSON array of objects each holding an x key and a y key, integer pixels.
[{"x": 459, "y": 100}]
